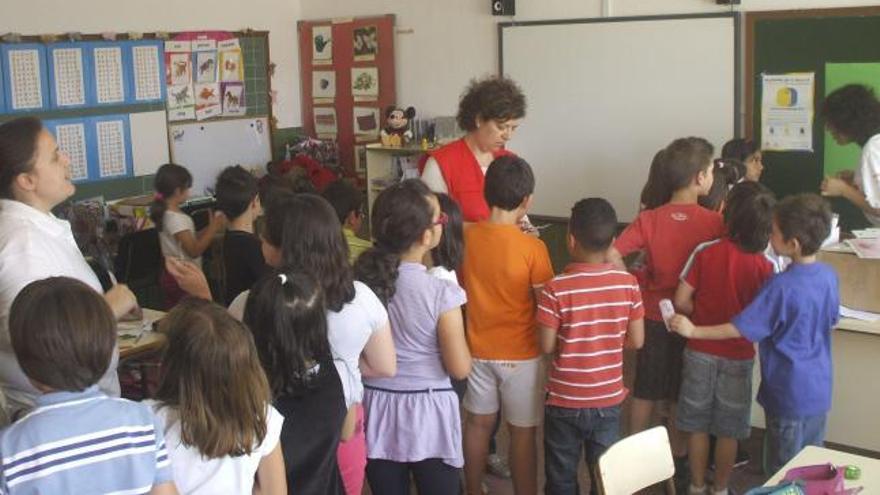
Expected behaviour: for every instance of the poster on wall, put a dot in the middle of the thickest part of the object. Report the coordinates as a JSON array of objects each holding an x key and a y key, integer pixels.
[
  {"x": 233, "y": 99},
  {"x": 322, "y": 45},
  {"x": 366, "y": 124},
  {"x": 206, "y": 67},
  {"x": 366, "y": 43},
  {"x": 178, "y": 66},
  {"x": 231, "y": 66},
  {"x": 181, "y": 102},
  {"x": 324, "y": 85},
  {"x": 787, "y": 111},
  {"x": 325, "y": 122},
  {"x": 364, "y": 83},
  {"x": 208, "y": 101},
  {"x": 109, "y": 80}
]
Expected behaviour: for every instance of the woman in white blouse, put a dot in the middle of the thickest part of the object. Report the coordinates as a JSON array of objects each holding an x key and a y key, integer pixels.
[{"x": 34, "y": 244}]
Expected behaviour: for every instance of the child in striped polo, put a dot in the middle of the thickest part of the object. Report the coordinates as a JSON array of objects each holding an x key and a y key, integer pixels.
[
  {"x": 586, "y": 316},
  {"x": 76, "y": 440}
]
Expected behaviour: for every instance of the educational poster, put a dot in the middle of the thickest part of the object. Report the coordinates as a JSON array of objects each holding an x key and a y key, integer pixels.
[
  {"x": 325, "y": 122},
  {"x": 231, "y": 66},
  {"x": 324, "y": 85},
  {"x": 208, "y": 101},
  {"x": 838, "y": 157},
  {"x": 69, "y": 77},
  {"x": 111, "y": 148},
  {"x": 179, "y": 68},
  {"x": 71, "y": 140},
  {"x": 366, "y": 43},
  {"x": 181, "y": 102},
  {"x": 366, "y": 123},
  {"x": 25, "y": 76},
  {"x": 787, "y": 112},
  {"x": 365, "y": 83},
  {"x": 206, "y": 67},
  {"x": 233, "y": 99},
  {"x": 109, "y": 79},
  {"x": 147, "y": 77},
  {"x": 322, "y": 45}
]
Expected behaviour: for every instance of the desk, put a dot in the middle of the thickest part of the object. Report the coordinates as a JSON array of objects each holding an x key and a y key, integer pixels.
[
  {"x": 137, "y": 338},
  {"x": 817, "y": 455}
]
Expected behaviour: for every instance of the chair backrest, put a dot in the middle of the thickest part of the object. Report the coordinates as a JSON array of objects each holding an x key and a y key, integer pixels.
[
  {"x": 636, "y": 462},
  {"x": 139, "y": 258}
]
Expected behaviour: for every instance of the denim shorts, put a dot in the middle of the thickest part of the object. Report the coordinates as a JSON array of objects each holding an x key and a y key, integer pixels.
[
  {"x": 785, "y": 437},
  {"x": 716, "y": 395}
]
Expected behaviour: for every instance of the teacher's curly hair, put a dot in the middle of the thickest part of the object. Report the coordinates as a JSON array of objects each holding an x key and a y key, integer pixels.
[{"x": 853, "y": 112}]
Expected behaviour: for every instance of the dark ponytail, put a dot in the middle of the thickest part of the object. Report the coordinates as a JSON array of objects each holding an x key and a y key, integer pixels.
[
  {"x": 656, "y": 191},
  {"x": 726, "y": 173},
  {"x": 18, "y": 149},
  {"x": 400, "y": 216},
  {"x": 169, "y": 178}
]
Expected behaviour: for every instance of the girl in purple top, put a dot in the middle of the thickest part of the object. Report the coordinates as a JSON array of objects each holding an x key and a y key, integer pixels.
[{"x": 413, "y": 425}]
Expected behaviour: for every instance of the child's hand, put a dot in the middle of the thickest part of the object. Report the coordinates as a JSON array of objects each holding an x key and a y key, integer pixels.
[
  {"x": 189, "y": 277},
  {"x": 121, "y": 300},
  {"x": 833, "y": 186},
  {"x": 218, "y": 219},
  {"x": 681, "y": 325}
]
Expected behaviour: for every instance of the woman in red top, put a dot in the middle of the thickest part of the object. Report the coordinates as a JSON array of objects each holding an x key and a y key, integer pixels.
[{"x": 489, "y": 112}]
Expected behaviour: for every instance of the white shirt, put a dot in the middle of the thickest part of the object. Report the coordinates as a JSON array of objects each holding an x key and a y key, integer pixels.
[
  {"x": 867, "y": 177},
  {"x": 348, "y": 331},
  {"x": 33, "y": 246},
  {"x": 432, "y": 176},
  {"x": 196, "y": 475},
  {"x": 174, "y": 222},
  {"x": 444, "y": 273}
]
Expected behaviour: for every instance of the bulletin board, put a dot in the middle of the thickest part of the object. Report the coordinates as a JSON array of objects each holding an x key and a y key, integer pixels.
[{"x": 339, "y": 62}]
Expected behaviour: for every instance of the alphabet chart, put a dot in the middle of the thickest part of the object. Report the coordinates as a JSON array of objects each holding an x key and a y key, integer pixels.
[
  {"x": 68, "y": 74},
  {"x": 148, "y": 72},
  {"x": 25, "y": 78},
  {"x": 109, "y": 74},
  {"x": 72, "y": 141},
  {"x": 111, "y": 148}
]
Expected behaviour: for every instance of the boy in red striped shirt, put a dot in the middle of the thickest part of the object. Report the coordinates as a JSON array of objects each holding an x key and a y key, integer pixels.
[{"x": 586, "y": 316}]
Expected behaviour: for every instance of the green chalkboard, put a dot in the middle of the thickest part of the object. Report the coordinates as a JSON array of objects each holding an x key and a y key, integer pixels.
[{"x": 805, "y": 41}]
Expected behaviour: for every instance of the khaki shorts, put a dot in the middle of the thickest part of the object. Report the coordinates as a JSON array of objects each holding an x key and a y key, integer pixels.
[{"x": 514, "y": 386}]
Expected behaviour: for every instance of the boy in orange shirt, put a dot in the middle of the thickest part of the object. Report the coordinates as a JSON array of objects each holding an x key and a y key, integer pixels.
[{"x": 503, "y": 271}]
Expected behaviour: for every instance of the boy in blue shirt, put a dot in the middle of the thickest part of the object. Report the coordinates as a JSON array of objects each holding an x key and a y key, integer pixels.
[{"x": 791, "y": 318}]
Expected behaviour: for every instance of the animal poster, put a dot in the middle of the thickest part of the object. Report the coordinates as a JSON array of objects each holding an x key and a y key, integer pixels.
[
  {"x": 206, "y": 67},
  {"x": 365, "y": 82},
  {"x": 322, "y": 45},
  {"x": 208, "y": 101},
  {"x": 324, "y": 84},
  {"x": 231, "y": 66},
  {"x": 181, "y": 102},
  {"x": 366, "y": 123},
  {"x": 178, "y": 69},
  {"x": 325, "y": 122},
  {"x": 233, "y": 99},
  {"x": 366, "y": 43}
]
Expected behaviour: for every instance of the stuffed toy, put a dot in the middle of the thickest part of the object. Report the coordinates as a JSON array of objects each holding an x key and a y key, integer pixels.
[{"x": 396, "y": 132}]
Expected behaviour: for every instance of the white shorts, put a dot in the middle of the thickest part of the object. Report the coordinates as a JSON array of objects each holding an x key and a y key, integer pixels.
[{"x": 515, "y": 386}]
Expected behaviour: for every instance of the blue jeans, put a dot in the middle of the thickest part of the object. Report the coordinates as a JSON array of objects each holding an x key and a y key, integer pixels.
[
  {"x": 785, "y": 437},
  {"x": 566, "y": 432}
]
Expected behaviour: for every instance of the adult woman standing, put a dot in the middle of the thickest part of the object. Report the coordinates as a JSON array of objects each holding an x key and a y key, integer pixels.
[
  {"x": 852, "y": 115},
  {"x": 34, "y": 244},
  {"x": 489, "y": 112}
]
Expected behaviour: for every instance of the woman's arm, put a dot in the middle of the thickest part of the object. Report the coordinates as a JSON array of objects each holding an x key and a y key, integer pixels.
[
  {"x": 271, "y": 478},
  {"x": 379, "y": 358},
  {"x": 453, "y": 344},
  {"x": 194, "y": 246},
  {"x": 836, "y": 187}
]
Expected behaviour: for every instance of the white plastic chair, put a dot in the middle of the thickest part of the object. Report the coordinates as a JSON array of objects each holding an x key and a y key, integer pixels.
[{"x": 636, "y": 462}]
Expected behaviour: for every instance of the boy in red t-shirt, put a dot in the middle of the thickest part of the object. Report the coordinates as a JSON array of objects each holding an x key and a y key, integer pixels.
[
  {"x": 585, "y": 317},
  {"x": 668, "y": 234},
  {"x": 719, "y": 280}
]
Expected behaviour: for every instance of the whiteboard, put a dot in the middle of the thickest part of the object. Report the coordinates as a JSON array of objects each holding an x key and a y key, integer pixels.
[
  {"x": 206, "y": 148},
  {"x": 604, "y": 95},
  {"x": 149, "y": 141}
]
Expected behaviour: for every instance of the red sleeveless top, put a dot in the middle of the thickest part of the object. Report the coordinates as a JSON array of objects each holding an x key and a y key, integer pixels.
[{"x": 464, "y": 178}]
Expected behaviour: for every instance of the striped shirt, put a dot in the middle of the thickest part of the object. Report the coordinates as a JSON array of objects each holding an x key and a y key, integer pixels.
[
  {"x": 590, "y": 306},
  {"x": 84, "y": 442}
]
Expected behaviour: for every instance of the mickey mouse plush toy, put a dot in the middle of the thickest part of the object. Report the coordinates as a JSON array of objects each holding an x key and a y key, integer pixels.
[{"x": 396, "y": 132}]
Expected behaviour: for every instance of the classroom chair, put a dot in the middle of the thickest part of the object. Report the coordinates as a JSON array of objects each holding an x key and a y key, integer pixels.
[{"x": 636, "y": 462}]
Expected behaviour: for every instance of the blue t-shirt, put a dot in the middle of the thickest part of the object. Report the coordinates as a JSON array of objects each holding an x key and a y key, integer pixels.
[{"x": 792, "y": 318}]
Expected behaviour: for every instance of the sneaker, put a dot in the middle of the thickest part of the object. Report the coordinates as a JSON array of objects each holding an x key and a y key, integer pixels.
[{"x": 497, "y": 466}]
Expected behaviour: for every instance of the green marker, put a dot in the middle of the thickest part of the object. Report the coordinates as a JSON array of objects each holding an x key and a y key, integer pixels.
[{"x": 852, "y": 472}]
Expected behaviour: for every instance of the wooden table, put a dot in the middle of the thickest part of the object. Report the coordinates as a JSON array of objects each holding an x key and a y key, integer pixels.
[
  {"x": 137, "y": 338},
  {"x": 818, "y": 455}
]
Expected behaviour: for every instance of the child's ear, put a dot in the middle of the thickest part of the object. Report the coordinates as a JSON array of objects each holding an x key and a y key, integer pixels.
[
  {"x": 351, "y": 218},
  {"x": 527, "y": 202},
  {"x": 571, "y": 243}
]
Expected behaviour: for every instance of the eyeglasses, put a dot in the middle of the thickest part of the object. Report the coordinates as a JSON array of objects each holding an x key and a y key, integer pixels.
[{"x": 442, "y": 219}]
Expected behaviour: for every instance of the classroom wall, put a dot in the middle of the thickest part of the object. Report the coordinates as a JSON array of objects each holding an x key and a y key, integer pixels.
[
  {"x": 433, "y": 67},
  {"x": 95, "y": 16}
]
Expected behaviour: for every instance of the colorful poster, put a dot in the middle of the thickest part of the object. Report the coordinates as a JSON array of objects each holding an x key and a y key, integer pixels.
[
  {"x": 846, "y": 157},
  {"x": 322, "y": 45},
  {"x": 208, "y": 101},
  {"x": 178, "y": 69},
  {"x": 181, "y": 102},
  {"x": 233, "y": 99},
  {"x": 366, "y": 43},
  {"x": 365, "y": 82},
  {"x": 787, "y": 112},
  {"x": 206, "y": 67},
  {"x": 231, "y": 66}
]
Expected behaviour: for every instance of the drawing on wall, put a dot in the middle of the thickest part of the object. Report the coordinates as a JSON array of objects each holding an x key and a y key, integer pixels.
[
  {"x": 325, "y": 121},
  {"x": 179, "y": 69},
  {"x": 323, "y": 84},
  {"x": 365, "y": 81},
  {"x": 206, "y": 67},
  {"x": 231, "y": 66},
  {"x": 322, "y": 44},
  {"x": 366, "y": 122},
  {"x": 181, "y": 102},
  {"x": 207, "y": 100},
  {"x": 233, "y": 99},
  {"x": 366, "y": 43}
]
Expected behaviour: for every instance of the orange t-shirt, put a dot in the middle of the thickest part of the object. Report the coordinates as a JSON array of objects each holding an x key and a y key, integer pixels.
[{"x": 501, "y": 267}]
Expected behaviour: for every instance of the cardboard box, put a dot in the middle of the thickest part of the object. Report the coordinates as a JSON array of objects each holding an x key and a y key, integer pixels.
[{"x": 859, "y": 280}]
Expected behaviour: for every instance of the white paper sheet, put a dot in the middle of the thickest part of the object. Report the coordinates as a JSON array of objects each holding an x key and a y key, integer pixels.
[
  {"x": 147, "y": 76},
  {"x": 787, "y": 112},
  {"x": 25, "y": 73},
  {"x": 108, "y": 74},
  {"x": 69, "y": 76},
  {"x": 71, "y": 140},
  {"x": 111, "y": 148}
]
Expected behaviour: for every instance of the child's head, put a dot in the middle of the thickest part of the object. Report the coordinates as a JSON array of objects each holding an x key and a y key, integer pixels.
[
  {"x": 171, "y": 182},
  {"x": 286, "y": 313},
  {"x": 449, "y": 252},
  {"x": 748, "y": 216},
  {"x": 236, "y": 192},
  {"x": 348, "y": 202},
  {"x": 302, "y": 232},
  {"x": 404, "y": 216},
  {"x": 656, "y": 191},
  {"x": 688, "y": 164},
  {"x": 63, "y": 334},
  {"x": 591, "y": 227},
  {"x": 725, "y": 173},
  {"x": 509, "y": 184},
  {"x": 800, "y": 224},
  {"x": 213, "y": 380},
  {"x": 852, "y": 114},
  {"x": 747, "y": 152}
]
